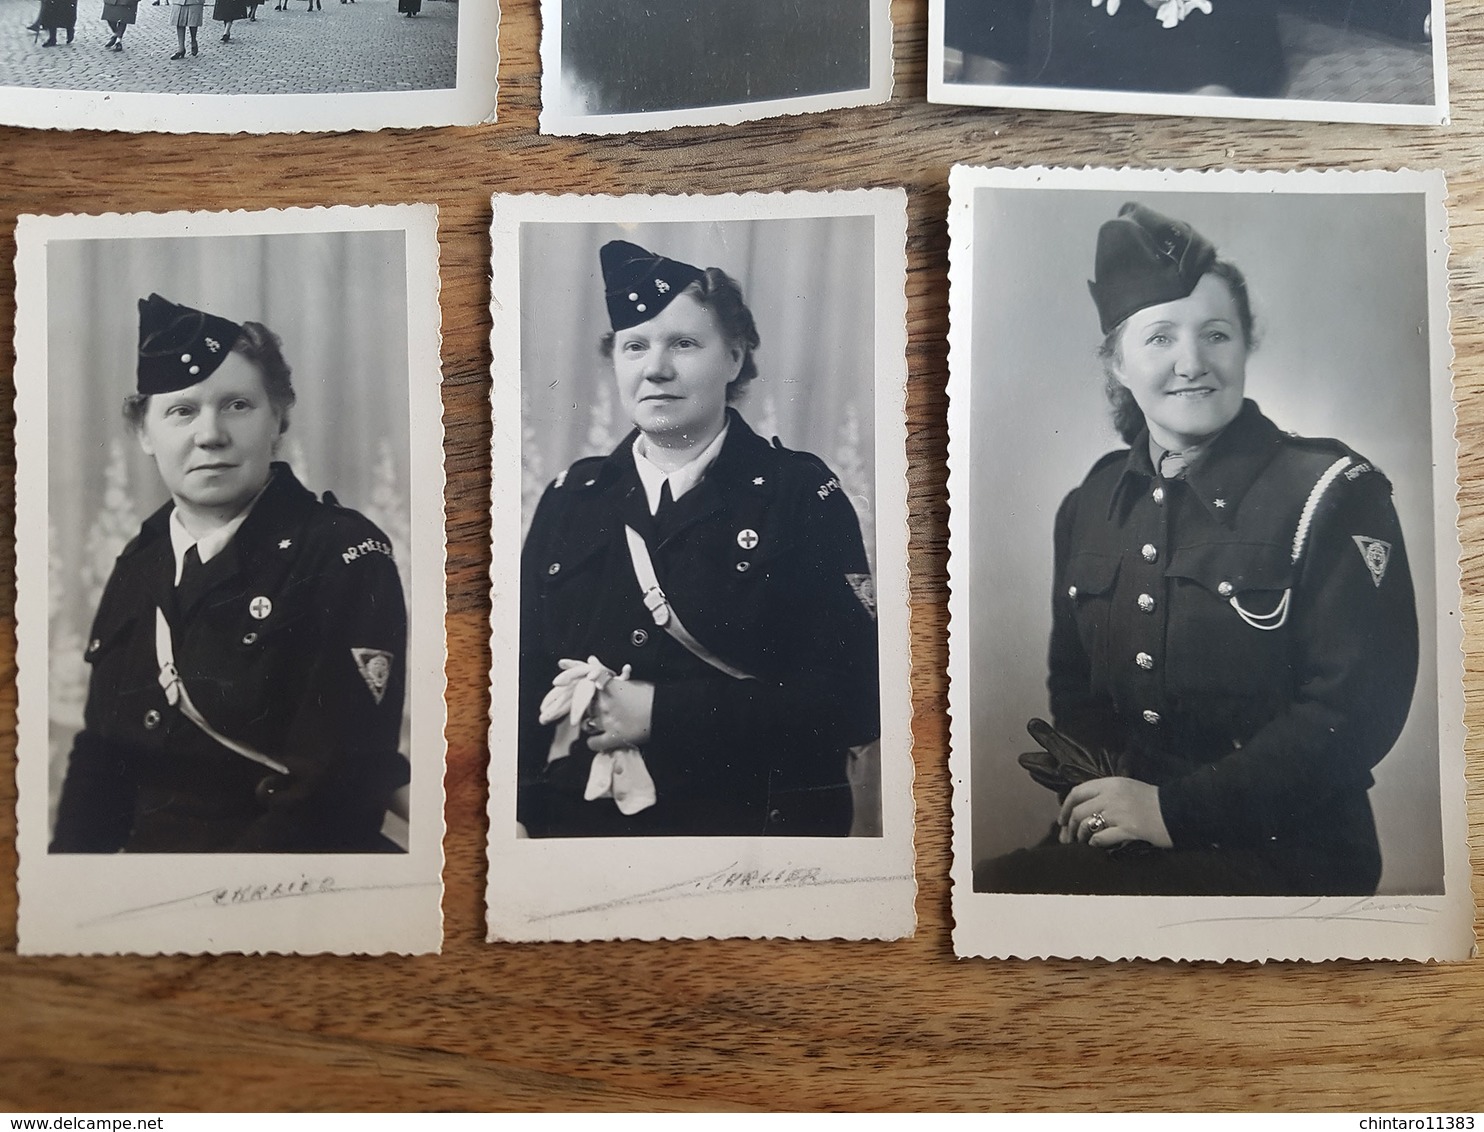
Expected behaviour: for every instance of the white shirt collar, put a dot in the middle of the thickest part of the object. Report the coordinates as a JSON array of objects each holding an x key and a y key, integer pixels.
[
  {"x": 210, "y": 545},
  {"x": 682, "y": 479}
]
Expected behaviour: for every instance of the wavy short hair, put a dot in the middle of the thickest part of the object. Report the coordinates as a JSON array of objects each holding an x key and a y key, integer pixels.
[
  {"x": 263, "y": 348},
  {"x": 1128, "y": 418},
  {"x": 719, "y": 293}
]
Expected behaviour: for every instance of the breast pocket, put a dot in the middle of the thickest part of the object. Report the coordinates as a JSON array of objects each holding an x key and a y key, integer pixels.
[
  {"x": 1229, "y": 629},
  {"x": 1090, "y": 580}
]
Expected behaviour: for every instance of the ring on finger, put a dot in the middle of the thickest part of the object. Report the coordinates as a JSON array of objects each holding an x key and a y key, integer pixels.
[{"x": 1095, "y": 823}]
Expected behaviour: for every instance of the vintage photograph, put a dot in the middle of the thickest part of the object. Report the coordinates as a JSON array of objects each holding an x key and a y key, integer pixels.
[
  {"x": 1328, "y": 60},
  {"x": 261, "y": 66},
  {"x": 702, "y": 637},
  {"x": 719, "y": 64},
  {"x": 241, "y": 556},
  {"x": 1205, "y": 650}
]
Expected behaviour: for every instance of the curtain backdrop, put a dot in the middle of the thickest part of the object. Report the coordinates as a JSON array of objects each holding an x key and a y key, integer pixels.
[
  {"x": 337, "y": 300},
  {"x": 810, "y": 284}
]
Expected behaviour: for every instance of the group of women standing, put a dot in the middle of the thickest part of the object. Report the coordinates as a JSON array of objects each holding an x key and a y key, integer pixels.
[{"x": 61, "y": 15}]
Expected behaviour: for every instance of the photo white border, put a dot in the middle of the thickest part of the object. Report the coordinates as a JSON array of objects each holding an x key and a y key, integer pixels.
[
  {"x": 470, "y": 102},
  {"x": 215, "y": 903},
  {"x": 1015, "y": 96},
  {"x": 1000, "y": 925},
  {"x": 726, "y": 114},
  {"x": 694, "y": 887}
]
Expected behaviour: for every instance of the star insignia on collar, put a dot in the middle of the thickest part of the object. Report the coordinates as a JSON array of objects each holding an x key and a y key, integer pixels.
[
  {"x": 285, "y": 543},
  {"x": 1218, "y": 503},
  {"x": 758, "y": 481}
]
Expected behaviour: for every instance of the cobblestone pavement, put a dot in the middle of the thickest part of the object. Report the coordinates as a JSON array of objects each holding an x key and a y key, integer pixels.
[{"x": 343, "y": 48}]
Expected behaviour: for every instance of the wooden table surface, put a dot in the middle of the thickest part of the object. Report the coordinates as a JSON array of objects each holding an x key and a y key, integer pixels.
[{"x": 730, "y": 1024}]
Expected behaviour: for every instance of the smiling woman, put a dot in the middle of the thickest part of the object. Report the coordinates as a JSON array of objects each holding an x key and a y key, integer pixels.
[
  {"x": 698, "y": 650},
  {"x": 1234, "y": 638},
  {"x": 248, "y": 654}
]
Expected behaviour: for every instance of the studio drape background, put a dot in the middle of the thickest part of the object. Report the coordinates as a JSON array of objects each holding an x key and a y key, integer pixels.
[{"x": 338, "y": 302}]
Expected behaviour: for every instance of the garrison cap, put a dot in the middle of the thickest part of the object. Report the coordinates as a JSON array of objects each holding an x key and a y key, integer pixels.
[
  {"x": 1144, "y": 259},
  {"x": 179, "y": 346},
  {"x": 640, "y": 284}
]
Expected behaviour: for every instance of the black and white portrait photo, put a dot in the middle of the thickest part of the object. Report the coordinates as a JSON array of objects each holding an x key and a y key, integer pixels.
[
  {"x": 263, "y": 66},
  {"x": 609, "y": 66},
  {"x": 702, "y": 452},
  {"x": 230, "y": 516},
  {"x": 1342, "y": 60},
  {"x": 1204, "y": 563}
]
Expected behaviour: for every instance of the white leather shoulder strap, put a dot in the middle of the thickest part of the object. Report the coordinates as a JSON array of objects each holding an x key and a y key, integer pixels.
[{"x": 663, "y": 612}]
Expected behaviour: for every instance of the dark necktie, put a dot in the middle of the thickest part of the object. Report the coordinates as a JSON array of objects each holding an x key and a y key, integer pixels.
[
  {"x": 664, "y": 514},
  {"x": 1172, "y": 465},
  {"x": 189, "y": 587}
]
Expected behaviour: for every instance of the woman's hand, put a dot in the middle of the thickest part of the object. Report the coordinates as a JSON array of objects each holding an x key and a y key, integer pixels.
[
  {"x": 620, "y": 714},
  {"x": 1129, "y": 808}
]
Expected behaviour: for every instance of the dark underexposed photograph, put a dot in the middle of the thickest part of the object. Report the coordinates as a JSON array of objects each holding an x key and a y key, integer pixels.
[
  {"x": 1327, "y": 51},
  {"x": 229, "y": 509},
  {"x": 698, "y": 641},
  {"x": 620, "y": 57},
  {"x": 1214, "y": 465}
]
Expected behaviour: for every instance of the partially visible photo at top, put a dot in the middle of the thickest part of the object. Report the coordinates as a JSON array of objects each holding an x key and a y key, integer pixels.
[
  {"x": 1345, "y": 60},
  {"x": 610, "y": 66},
  {"x": 227, "y": 66}
]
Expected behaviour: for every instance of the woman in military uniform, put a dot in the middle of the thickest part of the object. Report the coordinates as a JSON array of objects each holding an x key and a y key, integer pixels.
[
  {"x": 1234, "y": 635},
  {"x": 698, "y": 638},
  {"x": 248, "y": 654}
]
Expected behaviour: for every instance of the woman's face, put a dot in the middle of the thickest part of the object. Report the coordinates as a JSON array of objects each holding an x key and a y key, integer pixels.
[
  {"x": 673, "y": 372},
  {"x": 213, "y": 442},
  {"x": 1185, "y": 363}
]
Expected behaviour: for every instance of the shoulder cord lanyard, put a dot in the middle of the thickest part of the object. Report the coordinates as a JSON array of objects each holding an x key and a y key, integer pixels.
[
  {"x": 177, "y": 696},
  {"x": 1279, "y": 616},
  {"x": 663, "y": 612}
]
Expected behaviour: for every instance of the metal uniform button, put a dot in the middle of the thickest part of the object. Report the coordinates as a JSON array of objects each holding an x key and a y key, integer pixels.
[
  {"x": 1225, "y": 589},
  {"x": 744, "y": 566},
  {"x": 249, "y": 638},
  {"x": 554, "y": 569},
  {"x": 94, "y": 645},
  {"x": 1159, "y": 495},
  {"x": 1144, "y": 661},
  {"x": 1151, "y": 717},
  {"x": 1149, "y": 551},
  {"x": 1146, "y": 603},
  {"x": 639, "y": 637},
  {"x": 151, "y": 719},
  {"x": 1072, "y": 592}
]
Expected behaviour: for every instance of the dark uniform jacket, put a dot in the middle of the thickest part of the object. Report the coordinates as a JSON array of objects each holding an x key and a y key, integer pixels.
[
  {"x": 292, "y": 643},
  {"x": 1260, "y": 730},
  {"x": 763, "y": 562}
]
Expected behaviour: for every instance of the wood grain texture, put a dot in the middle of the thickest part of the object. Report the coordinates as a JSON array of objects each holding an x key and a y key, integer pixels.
[{"x": 734, "y": 1024}]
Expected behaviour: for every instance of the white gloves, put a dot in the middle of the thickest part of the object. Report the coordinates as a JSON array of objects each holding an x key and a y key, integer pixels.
[{"x": 619, "y": 774}]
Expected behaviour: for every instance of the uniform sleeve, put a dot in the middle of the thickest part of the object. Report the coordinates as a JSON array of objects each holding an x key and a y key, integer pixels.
[
  {"x": 342, "y": 744},
  {"x": 822, "y": 697},
  {"x": 95, "y": 813},
  {"x": 1355, "y": 667},
  {"x": 537, "y": 663},
  {"x": 1086, "y": 717}
]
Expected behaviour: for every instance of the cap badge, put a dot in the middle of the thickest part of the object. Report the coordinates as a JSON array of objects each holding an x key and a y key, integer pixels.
[
  {"x": 259, "y": 607},
  {"x": 747, "y": 538}
]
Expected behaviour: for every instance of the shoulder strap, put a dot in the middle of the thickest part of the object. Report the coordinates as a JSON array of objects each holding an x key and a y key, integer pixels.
[
  {"x": 663, "y": 612},
  {"x": 176, "y": 694}
]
